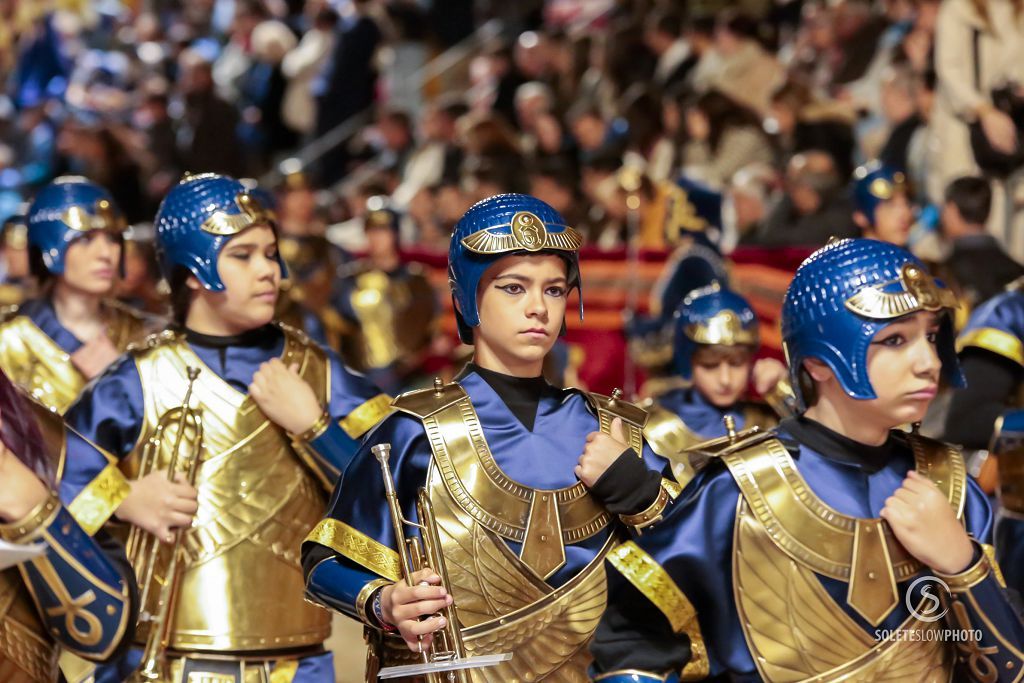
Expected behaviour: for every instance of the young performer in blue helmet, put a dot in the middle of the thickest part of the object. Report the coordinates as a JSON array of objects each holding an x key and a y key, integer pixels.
[
  {"x": 801, "y": 550},
  {"x": 280, "y": 421},
  {"x": 882, "y": 203},
  {"x": 52, "y": 345},
  {"x": 715, "y": 339},
  {"x": 531, "y": 485},
  {"x": 79, "y": 593}
]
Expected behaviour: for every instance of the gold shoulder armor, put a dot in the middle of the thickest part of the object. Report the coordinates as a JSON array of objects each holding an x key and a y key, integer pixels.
[
  {"x": 629, "y": 412},
  {"x": 152, "y": 341},
  {"x": 8, "y": 312},
  {"x": 423, "y": 403},
  {"x": 294, "y": 332}
]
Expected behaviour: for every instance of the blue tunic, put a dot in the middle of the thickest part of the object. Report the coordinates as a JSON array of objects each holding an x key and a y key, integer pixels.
[
  {"x": 109, "y": 413},
  {"x": 541, "y": 458},
  {"x": 694, "y": 544}
]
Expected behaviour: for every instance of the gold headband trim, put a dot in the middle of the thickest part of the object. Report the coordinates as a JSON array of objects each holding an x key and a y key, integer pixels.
[
  {"x": 920, "y": 293},
  {"x": 252, "y": 212},
  {"x": 528, "y": 233},
  {"x": 724, "y": 328},
  {"x": 103, "y": 217}
]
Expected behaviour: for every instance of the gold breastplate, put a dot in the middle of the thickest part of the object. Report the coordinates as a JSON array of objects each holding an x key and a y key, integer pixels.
[
  {"x": 242, "y": 586},
  {"x": 394, "y": 319},
  {"x": 784, "y": 536},
  {"x": 504, "y": 603},
  {"x": 42, "y": 369},
  {"x": 27, "y": 655}
]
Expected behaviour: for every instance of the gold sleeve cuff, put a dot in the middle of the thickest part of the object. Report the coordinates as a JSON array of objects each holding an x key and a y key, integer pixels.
[
  {"x": 33, "y": 524},
  {"x": 365, "y": 416},
  {"x": 358, "y": 547},
  {"x": 363, "y": 599},
  {"x": 99, "y": 499},
  {"x": 318, "y": 428},
  {"x": 651, "y": 579},
  {"x": 968, "y": 578},
  {"x": 652, "y": 515}
]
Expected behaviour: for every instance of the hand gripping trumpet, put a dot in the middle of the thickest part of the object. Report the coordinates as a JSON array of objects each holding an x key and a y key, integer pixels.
[
  {"x": 159, "y": 568},
  {"x": 446, "y": 662}
]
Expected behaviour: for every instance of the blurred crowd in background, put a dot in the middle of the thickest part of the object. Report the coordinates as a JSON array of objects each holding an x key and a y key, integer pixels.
[{"x": 602, "y": 108}]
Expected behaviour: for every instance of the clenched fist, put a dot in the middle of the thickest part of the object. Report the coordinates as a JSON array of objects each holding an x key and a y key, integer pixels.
[
  {"x": 924, "y": 522},
  {"x": 600, "y": 452},
  {"x": 284, "y": 396}
]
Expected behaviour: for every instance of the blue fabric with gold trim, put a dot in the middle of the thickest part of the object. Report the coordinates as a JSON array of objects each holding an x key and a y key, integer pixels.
[
  {"x": 847, "y": 291},
  {"x": 199, "y": 216},
  {"x": 84, "y": 600},
  {"x": 997, "y": 326},
  {"x": 109, "y": 411},
  {"x": 64, "y": 211},
  {"x": 543, "y": 458},
  {"x": 711, "y": 315},
  {"x": 874, "y": 183},
  {"x": 694, "y": 544},
  {"x": 40, "y": 312},
  {"x": 699, "y": 415},
  {"x": 1009, "y": 536},
  {"x": 496, "y": 227}
]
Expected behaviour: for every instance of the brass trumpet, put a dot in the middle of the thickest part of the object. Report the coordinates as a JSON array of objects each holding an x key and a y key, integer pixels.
[
  {"x": 159, "y": 568},
  {"x": 447, "y": 645}
]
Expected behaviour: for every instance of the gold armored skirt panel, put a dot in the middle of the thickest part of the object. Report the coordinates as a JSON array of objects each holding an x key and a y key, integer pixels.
[
  {"x": 504, "y": 606},
  {"x": 27, "y": 655},
  {"x": 241, "y": 585}
]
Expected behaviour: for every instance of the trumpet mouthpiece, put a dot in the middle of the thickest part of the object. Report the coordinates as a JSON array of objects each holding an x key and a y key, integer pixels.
[{"x": 381, "y": 451}]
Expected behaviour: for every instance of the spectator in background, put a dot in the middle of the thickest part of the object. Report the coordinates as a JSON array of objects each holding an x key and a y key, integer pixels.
[
  {"x": 300, "y": 67},
  {"x": 262, "y": 91},
  {"x": 506, "y": 79},
  {"x": 436, "y": 155},
  {"x": 556, "y": 182},
  {"x": 724, "y": 136},
  {"x": 998, "y": 26},
  {"x": 899, "y": 102},
  {"x": 235, "y": 60},
  {"x": 207, "y": 137},
  {"x": 663, "y": 35},
  {"x": 346, "y": 85},
  {"x": 153, "y": 120},
  {"x": 813, "y": 208},
  {"x": 979, "y": 266},
  {"x": 738, "y": 65},
  {"x": 800, "y": 122}
]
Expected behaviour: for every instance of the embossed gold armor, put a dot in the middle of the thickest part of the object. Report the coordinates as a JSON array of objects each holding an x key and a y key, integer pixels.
[
  {"x": 241, "y": 584},
  {"x": 395, "y": 317},
  {"x": 27, "y": 655},
  {"x": 784, "y": 536},
  {"x": 504, "y": 603},
  {"x": 41, "y": 368}
]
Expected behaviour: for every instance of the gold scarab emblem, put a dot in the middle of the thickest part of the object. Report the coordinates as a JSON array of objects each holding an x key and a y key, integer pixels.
[{"x": 529, "y": 231}]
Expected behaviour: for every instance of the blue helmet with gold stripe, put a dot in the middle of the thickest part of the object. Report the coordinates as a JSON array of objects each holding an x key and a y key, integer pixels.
[
  {"x": 199, "y": 216},
  {"x": 847, "y": 291},
  {"x": 499, "y": 226},
  {"x": 64, "y": 211},
  {"x": 708, "y": 316},
  {"x": 874, "y": 183}
]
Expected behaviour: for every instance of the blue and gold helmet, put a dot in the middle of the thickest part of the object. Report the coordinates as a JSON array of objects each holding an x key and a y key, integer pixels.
[
  {"x": 199, "y": 216},
  {"x": 708, "y": 316},
  {"x": 847, "y": 291},
  {"x": 496, "y": 227},
  {"x": 66, "y": 210},
  {"x": 874, "y": 183}
]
